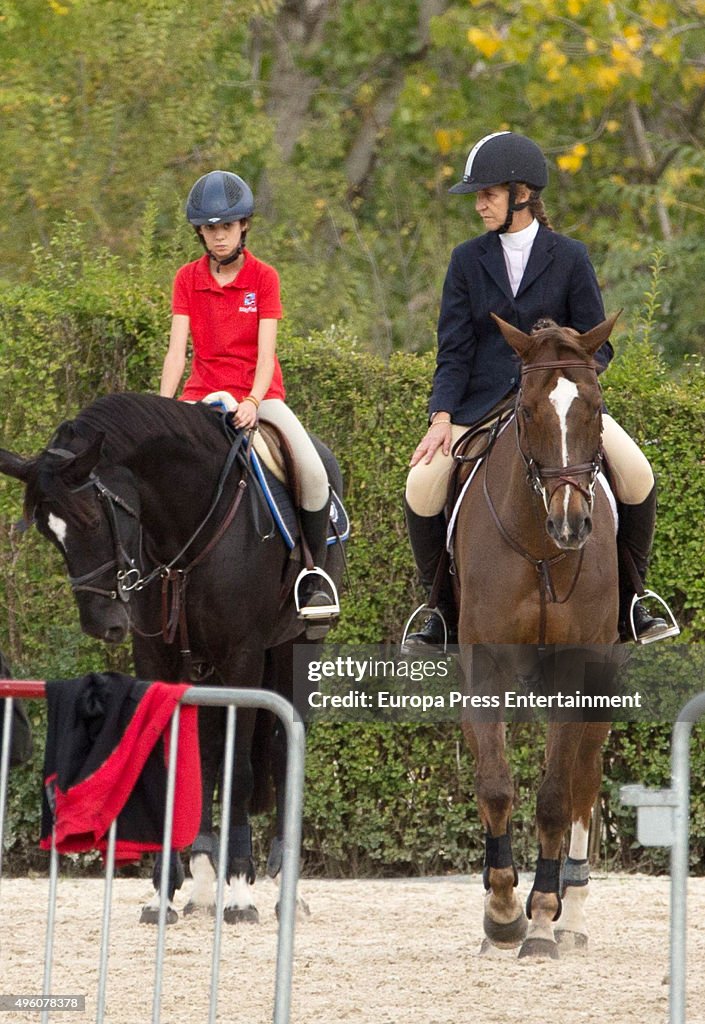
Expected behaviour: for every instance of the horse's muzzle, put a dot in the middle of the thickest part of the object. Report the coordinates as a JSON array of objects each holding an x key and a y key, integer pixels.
[
  {"x": 569, "y": 532},
  {"x": 111, "y": 624}
]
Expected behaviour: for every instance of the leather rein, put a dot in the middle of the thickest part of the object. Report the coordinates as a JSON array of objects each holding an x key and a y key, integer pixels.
[{"x": 535, "y": 477}]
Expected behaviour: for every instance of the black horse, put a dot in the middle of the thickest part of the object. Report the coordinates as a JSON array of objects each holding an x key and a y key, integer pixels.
[{"x": 154, "y": 511}]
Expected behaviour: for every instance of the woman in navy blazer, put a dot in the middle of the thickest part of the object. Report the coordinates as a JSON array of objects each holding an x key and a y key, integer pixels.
[{"x": 523, "y": 271}]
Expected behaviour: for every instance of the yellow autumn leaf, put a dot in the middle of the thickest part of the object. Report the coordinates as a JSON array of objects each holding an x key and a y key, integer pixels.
[
  {"x": 573, "y": 160},
  {"x": 488, "y": 43},
  {"x": 569, "y": 163},
  {"x": 626, "y": 59},
  {"x": 633, "y": 37},
  {"x": 606, "y": 78},
  {"x": 443, "y": 140}
]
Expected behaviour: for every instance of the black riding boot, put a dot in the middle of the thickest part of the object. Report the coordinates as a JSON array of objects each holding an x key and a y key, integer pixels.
[
  {"x": 636, "y": 534},
  {"x": 427, "y": 535},
  {"x": 317, "y": 595}
]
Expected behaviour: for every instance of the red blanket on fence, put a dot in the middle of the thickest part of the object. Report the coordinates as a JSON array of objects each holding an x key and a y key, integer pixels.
[{"x": 107, "y": 756}]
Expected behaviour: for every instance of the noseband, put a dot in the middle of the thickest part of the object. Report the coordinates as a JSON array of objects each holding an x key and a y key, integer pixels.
[{"x": 564, "y": 474}]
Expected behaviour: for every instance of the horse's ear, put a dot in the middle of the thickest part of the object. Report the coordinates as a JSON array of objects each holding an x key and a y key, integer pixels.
[
  {"x": 519, "y": 341},
  {"x": 14, "y": 465},
  {"x": 77, "y": 467},
  {"x": 596, "y": 337}
]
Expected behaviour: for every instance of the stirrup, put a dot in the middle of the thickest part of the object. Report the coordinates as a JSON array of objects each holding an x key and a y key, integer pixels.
[
  {"x": 431, "y": 611},
  {"x": 672, "y": 630},
  {"x": 318, "y": 611}
]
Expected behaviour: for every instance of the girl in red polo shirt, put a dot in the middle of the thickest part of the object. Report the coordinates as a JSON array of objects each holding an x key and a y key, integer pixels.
[{"x": 228, "y": 302}]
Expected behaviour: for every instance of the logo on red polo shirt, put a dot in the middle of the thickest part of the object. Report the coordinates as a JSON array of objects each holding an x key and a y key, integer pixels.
[{"x": 249, "y": 303}]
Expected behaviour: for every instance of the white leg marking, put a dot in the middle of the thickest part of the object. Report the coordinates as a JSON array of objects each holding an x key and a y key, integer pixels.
[
  {"x": 203, "y": 876},
  {"x": 578, "y": 849},
  {"x": 573, "y": 918},
  {"x": 58, "y": 528},
  {"x": 240, "y": 893}
]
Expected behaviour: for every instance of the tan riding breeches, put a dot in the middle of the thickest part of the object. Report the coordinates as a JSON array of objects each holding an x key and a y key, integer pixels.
[
  {"x": 315, "y": 493},
  {"x": 314, "y": 480},
  {"x": 631, "y": 474}
]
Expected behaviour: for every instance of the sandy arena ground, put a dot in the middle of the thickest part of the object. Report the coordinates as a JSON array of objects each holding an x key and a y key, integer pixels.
[{"x": 371, "y": 952}]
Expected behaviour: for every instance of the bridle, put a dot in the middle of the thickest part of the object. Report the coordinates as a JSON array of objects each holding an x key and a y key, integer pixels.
[
  {"x": 127, "y": 570},
  {"x": 126, "y": 567},
  {"x": 566, "y": 475},
  {"x": 128, "y": 574}
]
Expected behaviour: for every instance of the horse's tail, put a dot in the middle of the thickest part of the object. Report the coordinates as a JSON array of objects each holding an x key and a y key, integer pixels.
[{"x": 262, "y": 799}]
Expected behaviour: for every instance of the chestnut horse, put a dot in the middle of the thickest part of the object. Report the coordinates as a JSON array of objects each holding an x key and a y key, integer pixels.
[{"x": 536, "y": 565}]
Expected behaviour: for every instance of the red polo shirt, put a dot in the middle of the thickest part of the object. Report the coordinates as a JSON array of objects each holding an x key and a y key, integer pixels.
[{"x": 224, "y": 323}]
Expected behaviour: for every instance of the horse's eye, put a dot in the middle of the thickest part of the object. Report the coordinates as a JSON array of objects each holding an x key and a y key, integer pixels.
[{"x": 526, "y": 413}]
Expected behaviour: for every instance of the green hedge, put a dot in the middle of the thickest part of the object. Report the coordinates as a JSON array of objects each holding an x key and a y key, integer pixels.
[{"x": 380, "y": 799}]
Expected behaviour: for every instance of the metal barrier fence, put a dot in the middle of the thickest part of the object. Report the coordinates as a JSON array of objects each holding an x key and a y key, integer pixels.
[
  {"x": 663, "y": 819},
  {"x": 230, "y": 699}
]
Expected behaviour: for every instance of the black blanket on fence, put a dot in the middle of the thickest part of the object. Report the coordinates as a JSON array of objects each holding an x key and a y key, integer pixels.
[{"x": 107, "y": 757}]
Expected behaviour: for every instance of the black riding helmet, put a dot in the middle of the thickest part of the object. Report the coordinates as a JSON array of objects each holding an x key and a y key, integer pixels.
[
  {"x": 220, "y": 197},
  {"x": 504, "y": 158}
]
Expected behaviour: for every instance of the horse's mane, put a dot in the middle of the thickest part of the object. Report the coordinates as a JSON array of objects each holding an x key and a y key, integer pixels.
[{"x": 130, "y": 420}]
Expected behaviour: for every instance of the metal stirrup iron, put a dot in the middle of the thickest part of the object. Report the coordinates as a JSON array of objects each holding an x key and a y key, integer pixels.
[
  {"x": 319, "y": 611},
  {"x": 671, "y": 630}
]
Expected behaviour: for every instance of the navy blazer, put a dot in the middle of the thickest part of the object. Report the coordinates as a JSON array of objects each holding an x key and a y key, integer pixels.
[{"x": 475, "y": 367}]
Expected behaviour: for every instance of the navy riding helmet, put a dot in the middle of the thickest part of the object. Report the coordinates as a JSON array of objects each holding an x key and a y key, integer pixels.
[
  {"x": 217, "y": 197},
  {"x": 220, "y": 197}
]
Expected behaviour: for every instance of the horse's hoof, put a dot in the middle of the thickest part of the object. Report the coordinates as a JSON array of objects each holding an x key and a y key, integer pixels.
[
  {"x": 203, "y": 909},
  {"x": 571, "y": 942},
  {"x": 302, "y": 909},
  {"x": 150, "y": 915},
  {"x": 545, "y": 948},
  {"x": 506, "y": 935},
  {"x": 241, "y": 915},
  {"x": 488, "y": 949}
]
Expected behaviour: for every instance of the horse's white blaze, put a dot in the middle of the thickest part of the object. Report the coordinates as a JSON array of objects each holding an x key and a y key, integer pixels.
[
  {"x": 240, "y": 892},
  {"x": 202, "y": 878},
  {"x": 561, "y": 398},
  {"x": 58, "y": 528}
]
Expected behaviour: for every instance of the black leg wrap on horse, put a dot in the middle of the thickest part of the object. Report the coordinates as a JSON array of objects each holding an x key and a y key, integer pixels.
[
  {"x": 208, "y": 844},
  {"x": 176, "y": 873},
  {"x": 275, "y": 858},
  {"x": 498, "y": 854},
  {"x": 547, "y": 880},
  {"x": 240, "y": 860},
  {"x": 574, "y": 872}
]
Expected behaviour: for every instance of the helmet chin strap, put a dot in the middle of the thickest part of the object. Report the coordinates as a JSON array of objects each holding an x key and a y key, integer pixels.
[
  {"x": 235, "y": 254},
  {"x": 512, "y": 207}
]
